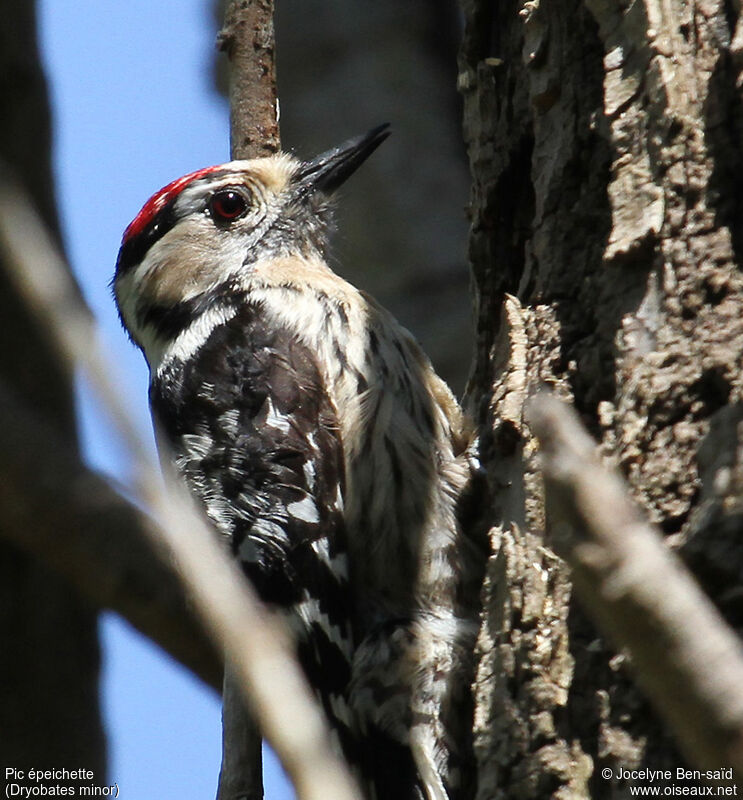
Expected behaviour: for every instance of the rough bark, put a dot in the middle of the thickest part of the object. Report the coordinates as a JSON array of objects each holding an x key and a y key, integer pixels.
[
  {"x": 604, "y": 142},
  {"x": 49, "y": 714},
  {"x": 683, "y": 654}
]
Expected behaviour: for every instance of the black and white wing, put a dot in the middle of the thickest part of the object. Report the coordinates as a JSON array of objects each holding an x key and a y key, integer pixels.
[{"x": 256, "y": 438}]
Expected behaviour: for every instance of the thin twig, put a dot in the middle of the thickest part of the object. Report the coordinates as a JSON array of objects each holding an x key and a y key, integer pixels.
[
  {"x": 255, "y": 643},
  {"x": 688, "y": 660},
  {"x": 248, "y": 39},
  {"x": 241, "y": 773}
]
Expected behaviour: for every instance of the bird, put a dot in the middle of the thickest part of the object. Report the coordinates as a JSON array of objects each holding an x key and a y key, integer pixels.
[{"x": 322, "y": 446}]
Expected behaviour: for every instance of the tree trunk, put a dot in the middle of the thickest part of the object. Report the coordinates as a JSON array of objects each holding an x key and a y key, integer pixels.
[
  {"x": 605, "y": 143},
  {"x": 49, "y": 710}
]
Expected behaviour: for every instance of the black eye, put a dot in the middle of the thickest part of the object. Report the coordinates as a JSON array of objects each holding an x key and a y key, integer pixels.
[{"x": 226, "y": 205}]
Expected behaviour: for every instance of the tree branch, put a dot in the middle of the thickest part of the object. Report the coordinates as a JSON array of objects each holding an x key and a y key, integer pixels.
[
  {"x": 688, "y": 660},
  {"x": 247, "y": 37}
]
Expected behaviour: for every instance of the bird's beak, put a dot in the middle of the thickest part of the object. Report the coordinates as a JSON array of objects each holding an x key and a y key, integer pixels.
[{"x": 329, "y": 170}]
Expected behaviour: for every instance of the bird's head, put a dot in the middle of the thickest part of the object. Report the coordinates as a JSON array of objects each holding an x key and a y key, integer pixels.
[{"x": 202, "y": 232}]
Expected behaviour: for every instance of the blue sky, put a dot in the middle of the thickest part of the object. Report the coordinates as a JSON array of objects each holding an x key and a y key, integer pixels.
[{"x": 133, "y": 108}]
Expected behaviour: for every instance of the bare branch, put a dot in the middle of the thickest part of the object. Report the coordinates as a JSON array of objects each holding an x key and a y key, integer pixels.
[
  {"x": 255, "y": 644},
  {"x": 688, "y": 660},
  {"x": 248, "y": 39}
]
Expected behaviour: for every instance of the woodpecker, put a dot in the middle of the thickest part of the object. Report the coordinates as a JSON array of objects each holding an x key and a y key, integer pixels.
[{"x": 322, "y": 446}]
